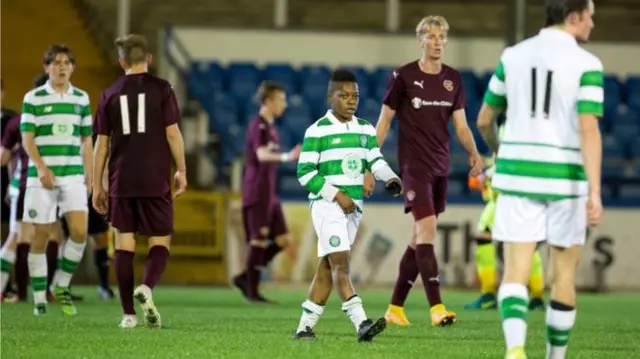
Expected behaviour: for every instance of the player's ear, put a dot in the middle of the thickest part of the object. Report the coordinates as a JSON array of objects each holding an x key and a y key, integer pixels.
[
  {"x": 149, "y": 59},
  {"x": 122, "y": 63}
]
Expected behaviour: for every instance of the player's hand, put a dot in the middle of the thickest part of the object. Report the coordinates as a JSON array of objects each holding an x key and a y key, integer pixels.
[
  {"x": 180, "y": 182},
  {"x": 477, "y": 164},
  {"x": 7, "y": 198},
  {"x": 594, "y": 210},
  {"x": 294, "y": 154},
  {"x": 46, "y": 177},
  {"x": 100, "y": 201},
  {"x": 346, "y": 203},
  {"x": 369, "y": 184},
  {"x": 394, "y": 187}
]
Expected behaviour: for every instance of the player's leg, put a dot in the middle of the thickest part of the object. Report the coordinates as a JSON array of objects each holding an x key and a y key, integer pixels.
[
  {"x": 8, "y": 252},
  {"x": 520, "y": 223},
  {"x": 25, "y": 236},
  {"x": 58, "y": 231},
  {"x": 122, "y": 216},
  {"x": 98, "y": 230},
  {"x": 567, "y": 235},
  {"x": 156, "y": 221},
  {"x": 313, "y": 307},
  {"x": 486, "y": 261},
  {"x": 103, "y": 263},
  {"x": 256, "y": 220},
  {"x": 39, "y": 209},
  {"x": 279, "y": 239},
  {"x": 425, "y": 213},
  {"x": 536, "y": 282},
  {"x": 408, "y": 270},
  {"x": 407, "y": 274},
  {"x": 74, "y": 207}
]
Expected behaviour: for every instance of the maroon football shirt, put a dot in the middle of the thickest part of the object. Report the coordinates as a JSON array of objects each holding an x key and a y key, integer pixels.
[
  {"x": 135, "y": 112},
  {"x": 424, "y": 104},
  {"x": 12, "y": 140},
  {"x": 260, "y": 180}
]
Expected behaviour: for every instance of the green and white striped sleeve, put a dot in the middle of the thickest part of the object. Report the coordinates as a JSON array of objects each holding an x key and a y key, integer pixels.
[
  {"x": 307, "y": 172},
  {"x": 28, "y": 115},
  {"x": 496, "y": 95},
  {"x": 591, "y": 92},
  {"x": 376, "y": 164},
  {"x": 86, "y": 127}
]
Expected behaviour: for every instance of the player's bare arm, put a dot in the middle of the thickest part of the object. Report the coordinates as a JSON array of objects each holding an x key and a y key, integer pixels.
[
  {"x": 384, "y": 123},
  {"x": 176, "y": 144},
  {"x": 591, "y": 147},
  {"x": 87, "y": 160},
  {"x": 44, "y": 173},
  {"x": 100, "y": 154},
  {"x": 5, "y": 156},
  {"x": 488, "y": 126},
  {"x": 464, "y": 135},
  {"x": 269, "y": 154}
]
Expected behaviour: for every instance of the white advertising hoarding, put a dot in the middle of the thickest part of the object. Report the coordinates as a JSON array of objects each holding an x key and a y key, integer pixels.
[{"x": 385, "y": 231}]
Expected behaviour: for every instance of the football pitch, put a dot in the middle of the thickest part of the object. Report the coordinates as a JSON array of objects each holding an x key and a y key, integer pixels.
[{"x": 216, "y": 323}]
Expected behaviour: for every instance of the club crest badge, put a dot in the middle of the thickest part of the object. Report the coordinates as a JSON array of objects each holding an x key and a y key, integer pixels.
[{"x": 448, "y": 85}]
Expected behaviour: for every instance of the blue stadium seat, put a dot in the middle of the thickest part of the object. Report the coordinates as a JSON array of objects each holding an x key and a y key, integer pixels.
[
  {"x": 314, "y": 84},
  {"x": 470, "y": 85},
  {"x": 284, "y": 74},
  {"x": 298, "y": 106},
  {"x": 455, "y": 148},
  {"x": 295, "y": 126},
  {"x": 290, "y": 187},
  {"x": 626, "y": 133},
  {"x": 629, "y": 117},
  {"x": 284, "y": 134},
  {"x": 484, "y": 81},
  {"x": 249, "y": 111},
  {"x": 611, "y": 149},
  {"x": 632, "y": 85},
  {"x": 236, "y": 138},
  {"x": 633, "y": 101},
  {"x": 221, "y": 120},
  {"x": 612, "y": 91},
  {"x": 628, "y": 191},
  {"x": 364, "y": 82},
  {"x": 455, "y": 188},
  {"x": 380, "y": 79},
  {"x": 369, "y": 110},
  {"x": 243, "y": 80},
  {"x": 606, "y": 191},
  {"x": 216, "y": 77},
  {"x": 634, "y": 150},
  {"x": 612, "y": 171}
]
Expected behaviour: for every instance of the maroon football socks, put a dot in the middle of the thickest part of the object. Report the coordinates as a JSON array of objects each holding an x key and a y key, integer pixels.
[
  {"x": 22, "y": 270},
  {"x": 255, "y": 259},
  {"x": 156, "y": 263},
  {"x": 407, "y": 275},
  {"x": 270, "y": 253},
  {"x": 124, "y": 274},
  {"x": 52, "y": 261},
  {"x": 428, "y": 266}
]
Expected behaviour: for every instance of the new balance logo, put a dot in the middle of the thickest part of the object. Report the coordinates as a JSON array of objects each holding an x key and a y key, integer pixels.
[
  {"x": 419, "y": 84},
  {"x": 335, "y": 141},
  {"x": 48, "y": 109}
]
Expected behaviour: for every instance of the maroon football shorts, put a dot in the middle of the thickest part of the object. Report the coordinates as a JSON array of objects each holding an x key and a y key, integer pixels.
[
  {"x": 263, "y": 221},
  {"x": 424, "y": 195},
  {"x": 148, "y": 216}
]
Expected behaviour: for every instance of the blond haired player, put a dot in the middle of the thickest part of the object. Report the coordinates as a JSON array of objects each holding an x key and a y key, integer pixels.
[
  {"x": 425, "y": 94},
  {"x": 548, "y": 165}
]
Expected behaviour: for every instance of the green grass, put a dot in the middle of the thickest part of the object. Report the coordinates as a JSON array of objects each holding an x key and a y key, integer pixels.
[{"x": 216, "y": 323}]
